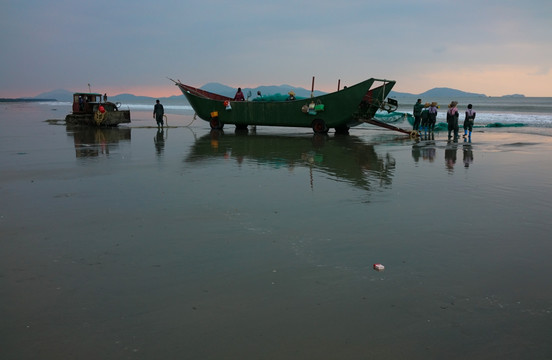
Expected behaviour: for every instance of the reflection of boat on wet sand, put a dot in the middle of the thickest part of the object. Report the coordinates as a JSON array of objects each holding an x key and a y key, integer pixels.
[
  {"x": 88, "y": 109},
  {"x": 91, "y": 142},
  {"x": 341, "y": 109},
  {"x": 345, "y": 157}
]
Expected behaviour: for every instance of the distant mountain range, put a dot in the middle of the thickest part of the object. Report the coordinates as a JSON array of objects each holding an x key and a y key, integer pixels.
[
  {"x": 435, "y": 93},
  {"x": 440, "y": 92},
  {"x": 265, "y": 90}
]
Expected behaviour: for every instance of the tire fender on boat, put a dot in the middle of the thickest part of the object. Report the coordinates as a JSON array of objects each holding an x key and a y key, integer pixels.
[
  {"x": 99, "y": 116},
  {"x": 215, "y": 123},
  {"x": 319, "y": 126}
]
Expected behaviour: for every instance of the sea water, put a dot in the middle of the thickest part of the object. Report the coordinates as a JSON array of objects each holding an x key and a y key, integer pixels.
[
  {"x": 506, "y": 111},
  {"x": 136, "y": 242},
  {"x": 499, "y": 111}
]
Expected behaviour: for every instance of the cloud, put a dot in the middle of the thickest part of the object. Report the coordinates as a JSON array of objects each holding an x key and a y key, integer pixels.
[{"x": 135, "y": 45}]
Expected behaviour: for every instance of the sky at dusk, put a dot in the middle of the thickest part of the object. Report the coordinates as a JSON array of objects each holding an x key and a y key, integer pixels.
[{"x": 494, "y": 47}]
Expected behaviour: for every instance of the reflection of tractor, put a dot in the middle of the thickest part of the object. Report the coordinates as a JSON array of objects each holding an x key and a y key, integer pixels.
[
  {"x": 94, "y": 141},
  {"x": 88, "y": 109}
]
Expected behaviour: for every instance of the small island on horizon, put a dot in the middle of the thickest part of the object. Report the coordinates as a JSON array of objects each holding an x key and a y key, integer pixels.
[{"x": 25, "y": 99}]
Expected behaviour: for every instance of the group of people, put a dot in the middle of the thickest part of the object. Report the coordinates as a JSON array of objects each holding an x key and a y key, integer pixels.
[
  {"x": 425, "y": 117},
  {"x": 452, "y": 120}
]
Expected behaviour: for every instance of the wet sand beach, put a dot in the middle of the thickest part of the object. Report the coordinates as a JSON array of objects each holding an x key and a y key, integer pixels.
[{"x": 181, "y": 243}]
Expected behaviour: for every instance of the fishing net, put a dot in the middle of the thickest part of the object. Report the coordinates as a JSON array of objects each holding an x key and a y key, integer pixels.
[
  {"x": 505, "y": 125},
  {"x": 394, "y": 117}
]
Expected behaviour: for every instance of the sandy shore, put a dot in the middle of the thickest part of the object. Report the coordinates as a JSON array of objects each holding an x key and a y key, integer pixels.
[{"x": 135, "y": 243}]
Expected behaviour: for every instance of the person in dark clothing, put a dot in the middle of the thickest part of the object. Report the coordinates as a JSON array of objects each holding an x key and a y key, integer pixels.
[
  {"x": 158, "y": 112},
  {"x": 239, "y": 95},
  {"x": 291, "y": 96},
  {"x": 425, "y": 117},
  {"x": 468, "y": 121},
  {"x": 417, "y": 112},
  {"x": 452, "y": 119},
  {"x": 432, "y": 116}
]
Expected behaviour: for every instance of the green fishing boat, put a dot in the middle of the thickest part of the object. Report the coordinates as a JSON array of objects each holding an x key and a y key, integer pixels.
[{"x": 340, "y": 110}]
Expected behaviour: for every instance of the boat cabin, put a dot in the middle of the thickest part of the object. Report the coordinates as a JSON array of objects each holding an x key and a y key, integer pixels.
[{"x": 85, "y": 102}]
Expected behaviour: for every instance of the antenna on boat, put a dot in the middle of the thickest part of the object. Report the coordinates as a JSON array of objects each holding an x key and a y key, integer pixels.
[
  {"x": 312, "y": 87},
  {"x": 338, "y": 84},
  {"x": 89, "y": 88}
]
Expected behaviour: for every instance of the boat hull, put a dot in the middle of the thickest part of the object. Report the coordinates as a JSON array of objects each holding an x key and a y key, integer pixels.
[
  {"x": 110, "y": 118},
  {"x": 341, "y": 109}
]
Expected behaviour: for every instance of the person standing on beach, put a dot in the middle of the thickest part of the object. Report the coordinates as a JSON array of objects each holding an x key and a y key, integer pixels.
[
  {"x": 432, "y": 112},
  {"x": 468, "y": 120},
  {"x": 452, "y": 119},
  {"x": 158, "y": 112},
  {"x": 425, "y": 117},
  {"x": 417, "y": 112}
]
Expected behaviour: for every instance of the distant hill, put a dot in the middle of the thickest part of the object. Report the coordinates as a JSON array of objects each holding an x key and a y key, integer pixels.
[
  {"x": 440, "y": 92},
  {"x": 396, "y": 94},
  {"x": 134, "y": 99},
  {"x": 435, "y": 93},
  {"x": 265, "y": 90},
  {"x": 59, "y": 95},
  {"x": 219, "y": 89},
  {"x": 449, "y": 93},
  {"x": 24, "y": 99},
  {"x": 67, "y": 96},
  {"x": 514, "y": 96}
]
